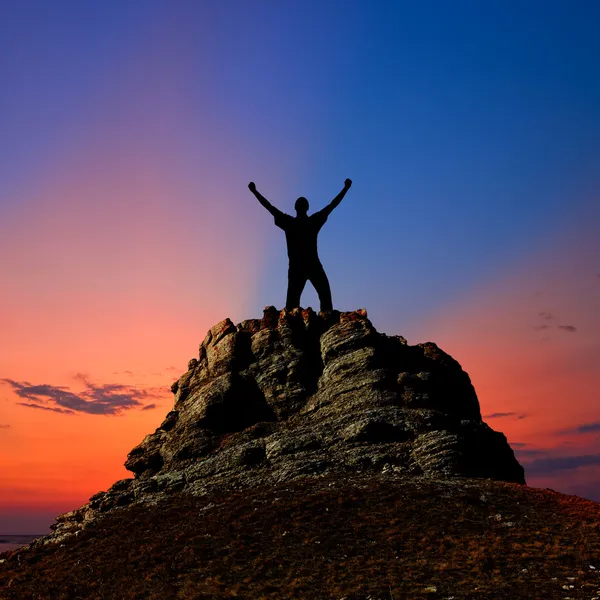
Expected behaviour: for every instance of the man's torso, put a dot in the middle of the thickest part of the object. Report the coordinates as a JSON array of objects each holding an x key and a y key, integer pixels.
[{"x": 301, "y": 237}]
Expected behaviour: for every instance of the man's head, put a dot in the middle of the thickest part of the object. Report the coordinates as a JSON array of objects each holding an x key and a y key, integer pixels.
[{"x": 301, "y": 206}]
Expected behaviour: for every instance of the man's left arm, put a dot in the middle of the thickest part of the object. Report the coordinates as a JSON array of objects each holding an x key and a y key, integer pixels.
[{"x": 334, "y": 203}]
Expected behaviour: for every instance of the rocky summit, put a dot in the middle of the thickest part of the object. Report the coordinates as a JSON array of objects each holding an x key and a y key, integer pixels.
[
  {"x": 297, "y": 394},
  {"x": 310, "y": 457}
]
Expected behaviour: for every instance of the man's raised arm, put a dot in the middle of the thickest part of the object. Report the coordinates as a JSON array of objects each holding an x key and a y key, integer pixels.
[
  {"x": 274, "y": 211},
  {"x": 327, "y": 210}
]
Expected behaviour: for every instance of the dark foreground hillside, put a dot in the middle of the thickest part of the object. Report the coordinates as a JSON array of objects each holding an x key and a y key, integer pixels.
[{"x": 368, "y": 536}]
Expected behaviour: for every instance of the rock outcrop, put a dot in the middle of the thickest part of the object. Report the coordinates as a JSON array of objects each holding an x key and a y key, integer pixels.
[{"x": 303, "y": 394}]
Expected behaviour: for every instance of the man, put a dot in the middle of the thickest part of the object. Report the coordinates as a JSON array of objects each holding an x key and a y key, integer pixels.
[{"x": 301, "y": 234}]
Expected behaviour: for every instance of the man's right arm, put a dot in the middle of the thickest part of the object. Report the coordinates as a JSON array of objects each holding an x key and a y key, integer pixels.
[{"x": 274, "y": 211}]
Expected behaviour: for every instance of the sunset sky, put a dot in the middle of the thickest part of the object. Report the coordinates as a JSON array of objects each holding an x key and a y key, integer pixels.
[{"x": 129, "y": 130}]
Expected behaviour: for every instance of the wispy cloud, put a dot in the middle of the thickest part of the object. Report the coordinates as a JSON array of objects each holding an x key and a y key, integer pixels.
[
  {"x": 150, "y": 406},
  {"x": 96, "y": 399},
  {"x": 505, "y": 415},
  {"x": 49, "y": 408},
  {"x": 4, "y": 426},
  {"x": 548, "y": 316},
  {"x": 548, "y": 465},
  {"x": 583, "y": 428},
  {"x": 525, "y": 453},
  {"x": 523, "y": 450}
]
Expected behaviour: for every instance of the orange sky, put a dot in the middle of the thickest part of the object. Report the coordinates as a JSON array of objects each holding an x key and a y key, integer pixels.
[
  {"x": 105, "y": 282},
  {"x": 509, "y": 334},
  {"x": 530, "y": 339}
]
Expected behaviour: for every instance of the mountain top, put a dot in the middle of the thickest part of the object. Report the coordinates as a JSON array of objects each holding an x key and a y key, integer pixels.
[
  {"x": 309, "y": 455},
  {"x": 298, "y": 393}
]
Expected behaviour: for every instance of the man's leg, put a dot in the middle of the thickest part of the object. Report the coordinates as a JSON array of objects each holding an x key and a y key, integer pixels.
[
  {"x": 296, "y": 282},
  {"x": 319, "y": 279}
]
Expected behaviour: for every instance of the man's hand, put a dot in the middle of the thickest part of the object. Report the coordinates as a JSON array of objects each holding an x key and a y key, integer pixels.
[
  {"x": 252, "y": 186},
  {"x": 347, "y": 183}
]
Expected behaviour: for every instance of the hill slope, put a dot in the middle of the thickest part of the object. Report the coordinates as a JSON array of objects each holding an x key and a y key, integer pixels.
[{"x": 369, "y": 536}]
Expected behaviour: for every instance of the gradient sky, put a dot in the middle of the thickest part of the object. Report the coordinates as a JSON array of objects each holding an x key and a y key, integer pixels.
[{"x": 129, "y": 131}]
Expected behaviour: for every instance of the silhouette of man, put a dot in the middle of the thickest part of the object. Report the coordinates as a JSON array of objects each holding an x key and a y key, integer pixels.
[{"x": 301, "y": 234}]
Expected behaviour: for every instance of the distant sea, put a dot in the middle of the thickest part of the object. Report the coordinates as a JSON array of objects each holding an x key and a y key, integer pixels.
[{"x": 11, "y": 542}]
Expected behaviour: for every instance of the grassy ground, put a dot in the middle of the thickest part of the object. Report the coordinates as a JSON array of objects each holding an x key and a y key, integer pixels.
[{"x": 366, "y": 537}]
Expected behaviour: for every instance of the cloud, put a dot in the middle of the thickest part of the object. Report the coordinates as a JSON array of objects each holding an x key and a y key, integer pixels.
[
  {"x": 546, "y": 316},
  {"x": 503, "y": 415},
  {"x": 149, "y": 406},
  {"x": 527, "y": 453},
  {"x": 588, "y": 427},
  {"x": 524, "y": 451},
  {"x": 103, "y": 399},
  {"x": 172, "y": 369},
  {"x": 50, "y": 408},
  {"x": 583, "y": 428},
  {"x": 569, "y": 328},
  {"x": 543, "y": 466},
  {"x": 4, "y": 426}
]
